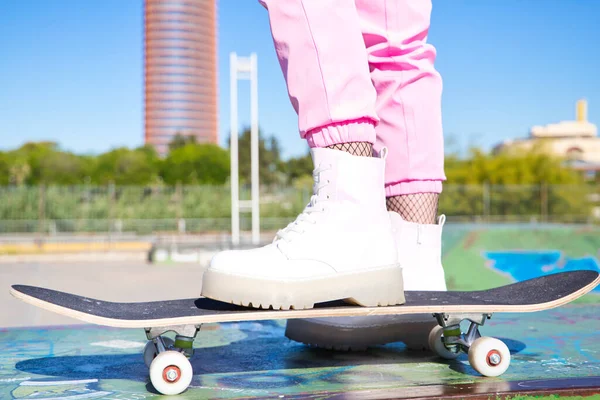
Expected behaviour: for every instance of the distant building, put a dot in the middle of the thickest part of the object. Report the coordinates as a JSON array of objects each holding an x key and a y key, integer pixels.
[
  {"x": 577, "y": 141},
  {"x": 180, "y": 66}
]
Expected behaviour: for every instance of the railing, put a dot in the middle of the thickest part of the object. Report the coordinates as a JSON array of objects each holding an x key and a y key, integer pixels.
[{"x": 135, "y": 210}]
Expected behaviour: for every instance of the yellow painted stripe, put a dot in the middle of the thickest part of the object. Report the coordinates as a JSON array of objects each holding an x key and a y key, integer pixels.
[{"x": 51, "y": 248}]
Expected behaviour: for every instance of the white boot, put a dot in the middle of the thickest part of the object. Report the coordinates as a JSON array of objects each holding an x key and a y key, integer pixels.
[
  {"x": 419, "y": 254},
  {"x": 340, "y": 247}
]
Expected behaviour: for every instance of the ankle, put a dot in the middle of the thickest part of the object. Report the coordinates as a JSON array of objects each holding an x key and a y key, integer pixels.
[
  {"x": 363, "y": 149},
  {"x": 420, "y": 208}
]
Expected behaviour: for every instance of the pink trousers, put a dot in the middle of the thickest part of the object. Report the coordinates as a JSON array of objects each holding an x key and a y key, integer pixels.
[{"x": 362, "y": 71}]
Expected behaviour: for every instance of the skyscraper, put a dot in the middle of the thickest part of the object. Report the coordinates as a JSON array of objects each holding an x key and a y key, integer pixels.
[{"x": 180, "y": 54}]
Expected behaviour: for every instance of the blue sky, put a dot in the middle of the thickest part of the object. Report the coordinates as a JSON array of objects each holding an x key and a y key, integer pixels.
[{"x": 71, "y": 71}]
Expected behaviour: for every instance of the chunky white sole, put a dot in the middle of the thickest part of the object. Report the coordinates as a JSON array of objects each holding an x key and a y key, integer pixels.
[
  {"x": 381, "y": 286},
  {"x": 355, "y": 334}
]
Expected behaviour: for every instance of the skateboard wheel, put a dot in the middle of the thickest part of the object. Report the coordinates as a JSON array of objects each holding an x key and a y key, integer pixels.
[
  {"x": 150, "y": 350},
  {"x": 489, "y": 356},
  {"x": 171, "y": 373},
  {"x": 436, "y": 344}
]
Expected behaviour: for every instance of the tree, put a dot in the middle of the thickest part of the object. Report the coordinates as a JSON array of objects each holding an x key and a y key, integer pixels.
[
  {"x": 64, "y": 168},
  {"x": 45, "y": 162},
  {"x": 513, "y": 183},
  {"x": 196, "y": 164},
  {"x": 123, "y": 166},
  {"x": 269, "y": 160},
  {"x": 181, "y": 140},
  {"x": 28, "y": 159},
  {"x": 298, "y": 168},
  {"x": 4, "y": 169},
  {"x": 19, "y": 172}
]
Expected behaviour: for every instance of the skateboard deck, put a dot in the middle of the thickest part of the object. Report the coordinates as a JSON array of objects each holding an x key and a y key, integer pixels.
[
  {"x": 168, "y": 360},
  {"x": 527, "y": 296}
]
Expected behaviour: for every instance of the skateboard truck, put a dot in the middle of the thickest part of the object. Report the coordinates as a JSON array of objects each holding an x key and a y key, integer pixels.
[
  {"x": 184, "y": 338},
  {"x": 488, "y": 356},
  {"x": 453, "y": 338}
]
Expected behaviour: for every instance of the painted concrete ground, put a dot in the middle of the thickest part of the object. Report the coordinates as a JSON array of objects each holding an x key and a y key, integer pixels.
[
  {"x": 480, "y": 258},
  {"x": 256, "y": 360}
]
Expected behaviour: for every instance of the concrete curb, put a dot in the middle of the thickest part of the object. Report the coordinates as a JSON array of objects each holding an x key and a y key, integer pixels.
[{"x": 108, "y": 256}]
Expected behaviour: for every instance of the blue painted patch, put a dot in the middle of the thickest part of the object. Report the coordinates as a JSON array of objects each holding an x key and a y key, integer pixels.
[{"x": 523, "y": 265}]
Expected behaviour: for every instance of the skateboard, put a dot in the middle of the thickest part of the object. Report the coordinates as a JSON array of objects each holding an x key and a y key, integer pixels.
[{"x": 168, "y": 360}]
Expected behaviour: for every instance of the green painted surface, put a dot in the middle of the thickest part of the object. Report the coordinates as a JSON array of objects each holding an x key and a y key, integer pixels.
[
  {"x": 464, "y": 250},
  {"x": 256, "y": 360}
]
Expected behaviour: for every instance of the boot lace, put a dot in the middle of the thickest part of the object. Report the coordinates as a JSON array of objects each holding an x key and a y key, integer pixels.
[{"x": 314, "y": 206}]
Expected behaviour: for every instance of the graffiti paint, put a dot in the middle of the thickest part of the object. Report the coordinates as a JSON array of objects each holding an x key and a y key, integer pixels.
[{"x": 522, "y": 265}]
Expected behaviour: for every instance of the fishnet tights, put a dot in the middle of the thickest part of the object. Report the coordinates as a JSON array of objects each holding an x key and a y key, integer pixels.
[
  {"x": 421, "y": 208},
  {"x": 364, "y": 149}
]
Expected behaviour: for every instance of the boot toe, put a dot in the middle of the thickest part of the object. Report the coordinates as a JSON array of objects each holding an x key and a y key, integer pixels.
[{"x": 228, "y": 261}]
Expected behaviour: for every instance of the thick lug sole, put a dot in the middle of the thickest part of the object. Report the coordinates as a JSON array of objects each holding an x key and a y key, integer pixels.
[
  {"x": 375, "y": 287},
  {"x": 343, "y": 334}
]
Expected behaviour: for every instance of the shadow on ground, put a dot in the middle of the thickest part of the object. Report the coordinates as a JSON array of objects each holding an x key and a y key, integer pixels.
[{"x": 261, "y": 350}]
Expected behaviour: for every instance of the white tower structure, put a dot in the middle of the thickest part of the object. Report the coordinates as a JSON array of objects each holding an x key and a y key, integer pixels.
[{"x": 244, "y": 68}]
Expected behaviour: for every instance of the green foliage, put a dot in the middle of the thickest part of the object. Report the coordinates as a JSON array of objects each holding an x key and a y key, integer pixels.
[
  {"x": 523, "y": 168},
  {"x": 181, "y": 140},
  {"x": 196, "y": 164},
  {"x": 35, "y": 163},
  {"x": 44, "y": 162},
  {"x": 516, "y": 183},
  {"x": 64, "y": 168},
  {"x": 28, "y": 162},
  {"x": 191, "y": 182},
  {"x": 4, "y": 169},
  {"x": 19, "y": 202},
  {"x": 299, "y": 168},
  {"x": 269, "y": 161},
  {"x": 123, "y": 166}
]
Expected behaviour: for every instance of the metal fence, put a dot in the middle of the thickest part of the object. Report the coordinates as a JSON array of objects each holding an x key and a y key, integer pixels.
[{"x": 55, "y": 210}]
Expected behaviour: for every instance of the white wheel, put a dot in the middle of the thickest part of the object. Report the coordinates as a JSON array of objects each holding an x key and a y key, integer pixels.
[
  {"x": 171, "y": 373},
  {"x": 150, "y": 350},
  {"x": 437, "y": 345},
  {"x": 489, "y": 356}
]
